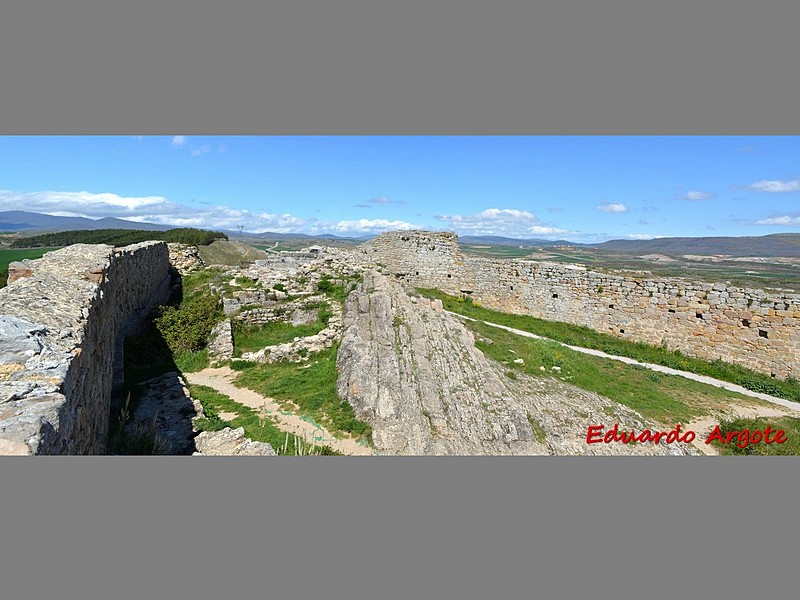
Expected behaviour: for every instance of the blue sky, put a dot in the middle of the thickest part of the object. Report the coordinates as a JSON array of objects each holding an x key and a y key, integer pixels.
[{"x": 577, "y": 188}]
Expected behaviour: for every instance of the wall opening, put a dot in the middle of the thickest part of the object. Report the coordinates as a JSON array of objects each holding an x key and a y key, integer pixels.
[
  {"x": 698, "y": 315},
  {"x": 763, "y": 333},
  {"x": 745, "y": 323},
  {"x": 672, "y": 310},
  {"x": 555, "y": 295}
]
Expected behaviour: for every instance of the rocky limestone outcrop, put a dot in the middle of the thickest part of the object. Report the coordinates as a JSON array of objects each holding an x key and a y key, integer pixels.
[
  {"x": 230, "y": 442},
  {"x": 413, "y": 372}
]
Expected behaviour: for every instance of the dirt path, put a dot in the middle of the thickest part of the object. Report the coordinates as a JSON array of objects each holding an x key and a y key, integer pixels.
[
  {"x": 704, "y": 425},
  {"x": 221, "y": 379}
]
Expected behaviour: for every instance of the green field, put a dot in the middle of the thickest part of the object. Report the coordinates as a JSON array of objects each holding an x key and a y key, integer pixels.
[{"x": 9, "y": 255}]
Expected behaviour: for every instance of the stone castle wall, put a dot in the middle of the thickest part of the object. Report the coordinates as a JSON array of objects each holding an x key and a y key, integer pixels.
[
  {"x": 62, "y": 321},
  {"x": 753, "y": 328}
]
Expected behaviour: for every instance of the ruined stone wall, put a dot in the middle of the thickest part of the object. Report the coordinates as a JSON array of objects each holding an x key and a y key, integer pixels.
[
  {"x": 62, "y": 320},
  {"x": 753, "y": 328}
]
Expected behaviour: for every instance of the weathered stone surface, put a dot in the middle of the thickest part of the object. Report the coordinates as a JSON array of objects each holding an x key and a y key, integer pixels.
[
  {"x": 64, "y": 323},
  {"x": 21, "y": 340},
  {"x": 185, "y": 258},
  {"x": 220, "y": 345},
  {"x": 413, "y": 372},
  {"x": 18, "y": 270},
  {"x": 230, "y": 442}
]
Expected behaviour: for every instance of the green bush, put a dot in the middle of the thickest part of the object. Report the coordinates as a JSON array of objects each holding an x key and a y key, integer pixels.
[
  {"x": 325, "y": 285},
  {"x": 186, "y": 328}
]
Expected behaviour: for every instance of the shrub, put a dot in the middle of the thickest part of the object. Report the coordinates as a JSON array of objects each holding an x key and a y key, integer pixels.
[
  {"x": 325, "y": 284},
  {"x": 186, "y": 328}
]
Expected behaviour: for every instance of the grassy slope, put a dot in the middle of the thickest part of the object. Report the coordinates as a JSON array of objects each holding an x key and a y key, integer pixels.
[
  {"x": 668, "y": 399},
  {"x": 791, "y": 427},
  {"x": 231, "y": 253},
  {"x": 250, "y": 338},
  {"x": 309, "y": 386},
  {"x": 577, "y": 335}
]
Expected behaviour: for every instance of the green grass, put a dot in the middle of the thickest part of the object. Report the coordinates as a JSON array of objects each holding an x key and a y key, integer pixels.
[
  {"x": 577, "y": 335},
  {"x": 192, "y": 361},
  {"x": 789, "y": 448},
  {"x": 311, "y": 386},
  {"x": 8, "y": 256},
  {"x": 669, "y": 399},
  {"x": 541, "y": 437},
  {"x": 249, "y": 338},
  {"x": 256, "y": 427}
]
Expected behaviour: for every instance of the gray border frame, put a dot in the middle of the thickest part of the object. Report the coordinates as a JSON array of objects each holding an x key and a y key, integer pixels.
[{"x": 416, "y": 527}]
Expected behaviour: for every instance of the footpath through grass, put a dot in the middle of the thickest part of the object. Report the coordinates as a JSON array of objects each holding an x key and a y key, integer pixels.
[
  {"x": 577, "y": 335},
  {"x": 260, "y": 428},
  {"x": 310, "y": 386},
  {"x": 668, "y": 399}
]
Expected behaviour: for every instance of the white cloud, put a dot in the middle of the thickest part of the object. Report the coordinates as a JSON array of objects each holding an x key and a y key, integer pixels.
[
  {"x": 695, "y": 195},
  {"x": 784, "y": 220},
  {"x": 363, "y": 226},
  {"x": 508, "y": 222},
  {"x": 381, "y": 200},
  {"x": 84, "y": 204},
  {"x": 157, "y": 209},
  {"x": 643, "y": 236},
  {"x": 613, "y": 207},
  {"x": 200, "y": 150},
  {"x": 179, "y": 140},
  {"x": 776, "y": 186}
]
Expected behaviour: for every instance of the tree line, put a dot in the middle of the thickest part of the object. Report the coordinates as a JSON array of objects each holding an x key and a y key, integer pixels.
[{"x": 120, "y": 237}]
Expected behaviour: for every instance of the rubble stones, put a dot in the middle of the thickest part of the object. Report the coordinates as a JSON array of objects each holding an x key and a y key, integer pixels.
[{"x": 230, "y": 442}]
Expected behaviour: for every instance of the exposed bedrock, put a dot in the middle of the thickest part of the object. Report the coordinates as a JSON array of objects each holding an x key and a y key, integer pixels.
[{"x": 413, "y": 372}]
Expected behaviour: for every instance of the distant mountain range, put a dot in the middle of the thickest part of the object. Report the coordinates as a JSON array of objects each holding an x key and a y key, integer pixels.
[
  {"x": 778, "y": 244},
  {"x": 28, "y": 222}
]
